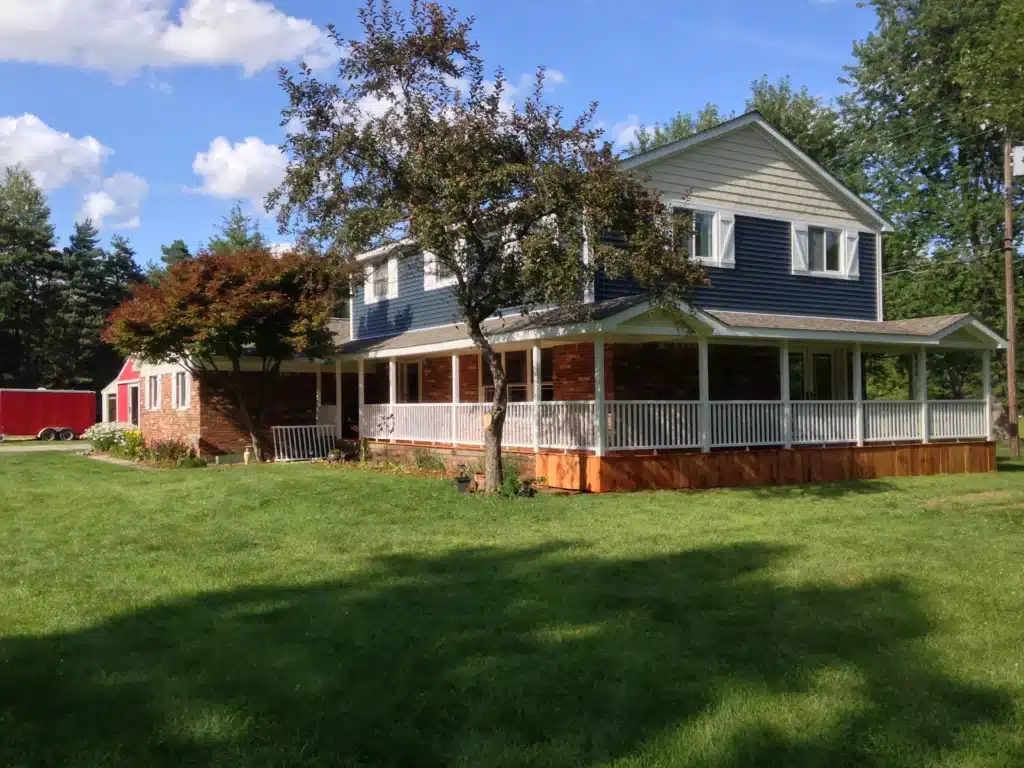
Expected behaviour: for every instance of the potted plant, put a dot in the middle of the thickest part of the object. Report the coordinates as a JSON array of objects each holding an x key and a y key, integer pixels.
[
  {"x": 334, "y": 456},
  {"x": 463, "y": 480}
]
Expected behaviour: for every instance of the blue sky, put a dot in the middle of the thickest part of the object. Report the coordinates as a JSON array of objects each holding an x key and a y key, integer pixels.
[{"x": 114, "y": 115}]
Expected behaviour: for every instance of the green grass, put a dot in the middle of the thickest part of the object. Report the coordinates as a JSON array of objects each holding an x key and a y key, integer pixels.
[{"x": 297, "y": 615}]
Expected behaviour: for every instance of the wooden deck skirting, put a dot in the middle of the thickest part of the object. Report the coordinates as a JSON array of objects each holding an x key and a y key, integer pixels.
[{"x": 773, "y": 466}]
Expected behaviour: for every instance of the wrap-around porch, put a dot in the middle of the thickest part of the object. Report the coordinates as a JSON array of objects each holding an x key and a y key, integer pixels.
[{"x": 709, "y": 395}]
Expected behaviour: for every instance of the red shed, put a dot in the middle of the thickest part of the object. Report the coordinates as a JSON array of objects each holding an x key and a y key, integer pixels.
[{"x": 46, "y": 413}]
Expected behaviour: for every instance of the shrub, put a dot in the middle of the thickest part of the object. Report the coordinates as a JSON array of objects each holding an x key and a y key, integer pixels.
[
  {"x": 512, "y": 487},
  {"x": 167, "y": 451},
  {"x": 132, "y": 446},
  {"x": 189, "y": 461},
  {"x": 108, "y": 436},
  {"x": 424, "y": 459}
]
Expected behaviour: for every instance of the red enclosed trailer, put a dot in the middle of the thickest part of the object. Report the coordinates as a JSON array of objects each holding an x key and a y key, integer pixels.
[{"x": 46, "y": 413}]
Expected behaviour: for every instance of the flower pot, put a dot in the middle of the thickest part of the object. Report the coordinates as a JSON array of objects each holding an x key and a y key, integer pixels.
[{"x": 463, "y": 484}]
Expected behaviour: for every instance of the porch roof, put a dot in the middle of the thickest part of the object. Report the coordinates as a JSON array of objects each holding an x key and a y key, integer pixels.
[{"x": 634, "y": 315}]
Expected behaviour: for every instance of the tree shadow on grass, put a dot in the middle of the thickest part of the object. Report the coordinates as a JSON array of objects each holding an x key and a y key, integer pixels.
[
  {"x": 824, "y": 490},
  {"x": 494, "y": 658}
]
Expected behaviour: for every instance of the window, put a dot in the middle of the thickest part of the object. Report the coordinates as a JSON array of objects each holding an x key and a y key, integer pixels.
[
  {"x": 153, "y": 393},
  {"x": 181, "y": 390},
  {"x": 436, "y": 274},
  {"x": 702, "y": 246},
  {"x": 823, "y": 249},
  {"x": 379, "y": 280},
  {"x": 516, "y": 376}
]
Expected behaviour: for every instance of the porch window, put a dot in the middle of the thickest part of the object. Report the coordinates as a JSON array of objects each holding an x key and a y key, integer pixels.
[
  {"x": 821, "y": 365},
  {"x": 547, "y": 375},
  {"x": 797, "y": 376},
  {"x": 823, "y": 249},
  {"x": 515, "y": 365}
]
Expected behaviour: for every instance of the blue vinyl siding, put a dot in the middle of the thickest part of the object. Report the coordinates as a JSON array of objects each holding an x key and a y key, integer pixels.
[
  {"x": 762, "y": 280},
  {"x": 414, "y": 308}
]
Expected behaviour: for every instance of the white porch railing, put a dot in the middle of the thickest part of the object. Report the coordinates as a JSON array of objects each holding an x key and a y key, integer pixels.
[
  {"x": 889, "y": 420},
  {"x": 302, "y": 443},
  {"x": 823, "y": 421},
  {"x": 951, "y": 419},
  {"x": 664, "y": 425},
  {"x": 653, "y": 424}
]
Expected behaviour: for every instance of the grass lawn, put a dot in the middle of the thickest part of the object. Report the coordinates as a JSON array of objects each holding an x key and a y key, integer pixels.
[{"x": 297, "y": 615}]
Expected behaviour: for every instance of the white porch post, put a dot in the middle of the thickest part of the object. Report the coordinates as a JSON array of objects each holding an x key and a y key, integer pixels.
[
  {"x": 599, "y": 398},
  {"x": 922, "y": 390},
  {"x": 455, "y": 400},
  {"x": 986, "y": 376},
  {"x": 362, "y": 397},
  {"x": 392, "y": 392},
  {"x": 705, "y": 397},
  {"x": 858, "y": 393},
  {"x": 338, "y": 425},
  {"x": 787, "y": 406},
  {"x": 536, "y": 396}
]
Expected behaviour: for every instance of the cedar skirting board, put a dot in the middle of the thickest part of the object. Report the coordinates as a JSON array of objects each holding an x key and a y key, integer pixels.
[{"x": 773, "y": 466}]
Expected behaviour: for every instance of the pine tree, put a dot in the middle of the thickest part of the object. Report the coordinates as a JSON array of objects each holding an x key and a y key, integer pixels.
[
  {"x": 27, "y": 263},
  {"x": 175, "y": 252},
  {"x": 238, "y": 233}
]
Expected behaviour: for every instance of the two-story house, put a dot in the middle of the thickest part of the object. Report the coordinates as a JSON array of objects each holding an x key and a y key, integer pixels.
[{"x": 765, "y": 384}]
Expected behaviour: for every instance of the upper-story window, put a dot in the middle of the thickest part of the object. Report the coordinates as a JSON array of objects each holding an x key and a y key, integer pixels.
[
  {"x": 823, "y": 249},
  {"x": 381, "y": 281},
  {"x": 712, "y": 240},
  {"x": 436, "y": 273}
]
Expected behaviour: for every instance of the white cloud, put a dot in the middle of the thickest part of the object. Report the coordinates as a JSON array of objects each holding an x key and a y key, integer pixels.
[
  {"x": 54, "y": 158},
  {"x": 246, "y": 169},
  {"x": 623, "y": 133},
  {"x": 117, "y": 201},
  {"x": 123, "y": 36}
]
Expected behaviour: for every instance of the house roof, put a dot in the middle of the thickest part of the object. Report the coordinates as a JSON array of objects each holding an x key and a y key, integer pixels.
[
  {"x": 613, "y": 315},
  {"x": 919, "y": 326},
  {"x": 755, "y": 119}
]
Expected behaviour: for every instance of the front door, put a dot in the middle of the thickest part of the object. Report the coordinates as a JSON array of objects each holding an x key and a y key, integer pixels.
[{"x": 133, "y": 405}]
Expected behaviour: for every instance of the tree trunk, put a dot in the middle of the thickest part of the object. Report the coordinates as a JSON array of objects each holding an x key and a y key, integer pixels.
[
  {"x": 499, "y": 406},
  {"x": 253, "y": 422}
]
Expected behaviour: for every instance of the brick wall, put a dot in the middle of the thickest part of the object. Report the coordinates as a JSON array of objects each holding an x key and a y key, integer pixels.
[
  {"x": 167, "y": 423},
  {"x": 573, "y": 370},
  {"x": 437, "y": 380},
  {"x": 656, "y": 371},
  {"x": 292, "y": 402},
  {"x": 469, "y": 378}
]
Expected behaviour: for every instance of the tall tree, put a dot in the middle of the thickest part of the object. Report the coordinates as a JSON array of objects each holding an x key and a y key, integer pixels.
[
  {"x": 213, "y": 311},
  {"x": 27, "y": 263},
  {"x": 681, "y": 126},
  {"x": 175, "y": 252},
  {"x": 238, "y": 232},
  {"x": 928, "y": 106},
  {"x": 415, "y": 141}
]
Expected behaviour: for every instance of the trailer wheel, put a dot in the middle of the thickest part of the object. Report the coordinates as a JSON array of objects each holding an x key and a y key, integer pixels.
[
  {"x": 48, "y": 434},
  {"x": 67, "y": 434}
]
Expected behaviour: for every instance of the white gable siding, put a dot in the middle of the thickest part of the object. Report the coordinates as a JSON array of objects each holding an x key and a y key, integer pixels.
[{"x": 745, "y": 170}]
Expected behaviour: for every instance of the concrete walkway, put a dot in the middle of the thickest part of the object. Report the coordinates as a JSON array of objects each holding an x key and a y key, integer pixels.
[{"x": 34, "y": 446}]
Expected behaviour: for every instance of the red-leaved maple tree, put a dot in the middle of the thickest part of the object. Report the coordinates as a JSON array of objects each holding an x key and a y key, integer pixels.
[{"x": 232, "y": 317}]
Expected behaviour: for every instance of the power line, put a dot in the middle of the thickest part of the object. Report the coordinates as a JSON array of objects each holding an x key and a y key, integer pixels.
[{"x": 935, "y": 264}]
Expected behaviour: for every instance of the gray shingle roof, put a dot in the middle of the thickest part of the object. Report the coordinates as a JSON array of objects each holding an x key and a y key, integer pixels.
[{"x": 920, "y": 326}]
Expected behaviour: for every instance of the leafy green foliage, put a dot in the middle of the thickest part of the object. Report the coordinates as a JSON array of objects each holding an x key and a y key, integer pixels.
[
  {"x": 415, "y": 143},
  {"x": 238, "y": 233},
  {"x": 213, "y": 310}
]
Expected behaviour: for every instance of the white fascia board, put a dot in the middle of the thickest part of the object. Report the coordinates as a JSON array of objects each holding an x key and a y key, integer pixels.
[
  {"x": 998, "y": 342},
  {"x": 869, "y": 338},
  {"x": 385, "y": 250}
]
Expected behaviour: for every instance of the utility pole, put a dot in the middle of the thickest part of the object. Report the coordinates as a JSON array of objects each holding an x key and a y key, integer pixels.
[{"x": 1011, "y": 301}]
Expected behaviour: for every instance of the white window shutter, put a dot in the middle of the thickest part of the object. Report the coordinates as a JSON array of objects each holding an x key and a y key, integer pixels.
[
  {"x": 799, "y": 246},
  {"x": 393, "y": 277},
  {"x": 852, "y": 253},
  {"x": 726, "y": 255}
]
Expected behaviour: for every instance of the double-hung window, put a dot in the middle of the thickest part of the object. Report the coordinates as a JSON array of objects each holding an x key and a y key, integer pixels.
[
  {"x": 181, "y": 390},
  {"x": 153, "y": 393},
  {"x": 710, "y": 237},
  {"x": 702, "y": 245},
  {"x": 823, "y": 249},
  {"x": 379, "y": 280}
]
